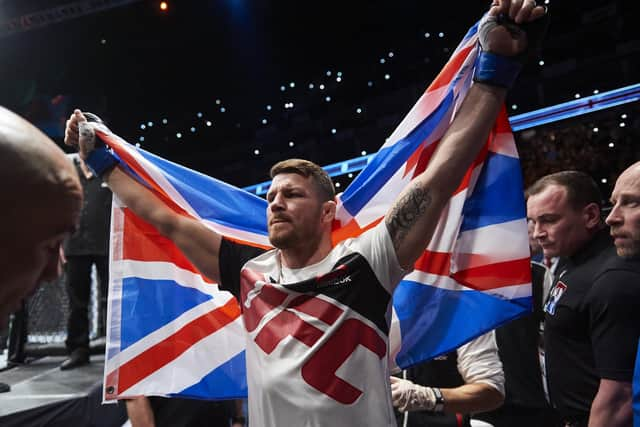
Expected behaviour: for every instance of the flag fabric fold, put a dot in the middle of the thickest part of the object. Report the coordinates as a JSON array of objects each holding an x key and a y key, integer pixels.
[{"x": 174, "y": 332}]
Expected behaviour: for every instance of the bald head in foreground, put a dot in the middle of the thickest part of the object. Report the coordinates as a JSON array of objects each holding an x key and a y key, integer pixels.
[{"x": 41, "y": 199}]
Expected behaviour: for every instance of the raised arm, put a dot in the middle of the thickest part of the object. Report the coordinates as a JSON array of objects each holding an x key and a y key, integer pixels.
[
  {"x": 413, "y": 217},
  {"x": 199, "y": 244}
]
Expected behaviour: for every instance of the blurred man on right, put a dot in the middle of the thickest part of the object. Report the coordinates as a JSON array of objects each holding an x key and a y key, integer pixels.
[
  {"x": 592, "y": 323},
  {"x": 624, "y": 220}
]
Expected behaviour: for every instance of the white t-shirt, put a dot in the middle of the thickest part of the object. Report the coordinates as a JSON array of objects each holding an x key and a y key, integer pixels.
[{"x": 317, "y": 337}]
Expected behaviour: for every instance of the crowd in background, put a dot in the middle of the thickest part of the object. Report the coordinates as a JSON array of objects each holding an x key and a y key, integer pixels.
[{"x": 595, "y": 144}]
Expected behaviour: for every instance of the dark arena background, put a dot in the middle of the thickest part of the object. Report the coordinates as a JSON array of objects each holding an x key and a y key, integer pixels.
[{"x": 228, "y": 87}]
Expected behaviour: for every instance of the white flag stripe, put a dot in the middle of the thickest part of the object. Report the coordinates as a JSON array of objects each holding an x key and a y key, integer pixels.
[
  {"x": 378, "y": 205},
  {"x": 510, "y": 292},
  {"x": 247, "y": 236},
  {"x": 426, "y": 104},
  {"x": 470, "y": 41},
  {"x": 166, "y": 331},
  {"x": 444, "y": 235},
  {"x": 446, "y": 232},
  {"x": 494, "y": 243},
  {"x": 195, "y": 363},
  {"x": 518, "y": 290},
  {"x": 159, "y": 270}
]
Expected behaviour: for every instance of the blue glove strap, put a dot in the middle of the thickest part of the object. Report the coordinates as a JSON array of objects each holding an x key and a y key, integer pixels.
[
  {"x": 496, "y": 70},
  {"x": 101, "y": 160}
]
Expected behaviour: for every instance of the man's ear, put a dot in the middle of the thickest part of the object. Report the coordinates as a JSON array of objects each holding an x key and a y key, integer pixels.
[
  {"x": 591, "y": 214},
  {"x": 328, "y": 211}
]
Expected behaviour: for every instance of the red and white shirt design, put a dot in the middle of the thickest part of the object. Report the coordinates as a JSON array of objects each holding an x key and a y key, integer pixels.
[{"x": 317, "y": 337}]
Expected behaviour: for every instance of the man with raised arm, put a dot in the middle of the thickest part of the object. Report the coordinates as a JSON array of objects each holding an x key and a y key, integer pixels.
[{"x": 317, "y": 315}]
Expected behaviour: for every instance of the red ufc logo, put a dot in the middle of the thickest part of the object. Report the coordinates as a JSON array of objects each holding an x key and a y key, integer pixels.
[{"x": 320, "y": 370}]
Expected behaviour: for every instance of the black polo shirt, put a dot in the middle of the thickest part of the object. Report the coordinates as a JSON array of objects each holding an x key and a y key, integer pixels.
[
  {"x": 92, "y": 236},
  {"x": 592, "y": 325}
]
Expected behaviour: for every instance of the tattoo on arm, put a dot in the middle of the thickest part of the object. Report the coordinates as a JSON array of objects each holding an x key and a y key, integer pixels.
[{"x": 406, "y": 212}]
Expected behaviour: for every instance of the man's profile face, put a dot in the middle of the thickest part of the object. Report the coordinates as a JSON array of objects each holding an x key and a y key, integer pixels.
[
  {"x": 34, "y": 250},
  {"x": 559, "y": 229},
  {"x": 624, "y": 218},
  {"x": 534, "y": 245},
  {"x": 294, "y": 213}
]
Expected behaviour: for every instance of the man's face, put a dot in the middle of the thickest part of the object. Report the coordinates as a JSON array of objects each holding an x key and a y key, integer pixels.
[
  {"x": 560, "y": 229},
  {"x": 534, "y": 245},
  {"x": 33, "y": 247},
  {"x": 295, "y": 212},
  {"x": 624, "y": 218}
]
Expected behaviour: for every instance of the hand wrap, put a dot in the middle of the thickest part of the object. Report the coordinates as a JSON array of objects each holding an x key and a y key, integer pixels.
[
  {"x": 407, "y": 396},
  {"x": 100, "y": 159},
  {"x": 500, "y": 70}
]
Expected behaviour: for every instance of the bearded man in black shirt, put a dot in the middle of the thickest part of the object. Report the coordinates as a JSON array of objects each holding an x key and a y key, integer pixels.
[{"x": 592, "y": 324}]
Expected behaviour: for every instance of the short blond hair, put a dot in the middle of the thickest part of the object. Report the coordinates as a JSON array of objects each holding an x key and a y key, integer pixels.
[{"x": 319, "y": 176}]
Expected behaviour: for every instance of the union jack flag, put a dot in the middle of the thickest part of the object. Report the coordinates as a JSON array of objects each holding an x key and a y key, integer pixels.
[{"x": 173, "y": 332}]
